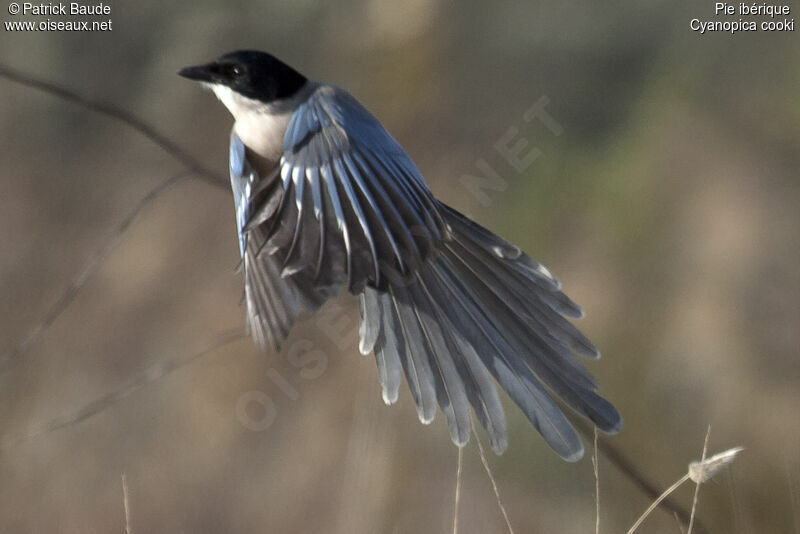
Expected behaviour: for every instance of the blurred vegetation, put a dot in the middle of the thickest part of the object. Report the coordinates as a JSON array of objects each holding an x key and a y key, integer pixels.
[{"x": 668, "y": 207}]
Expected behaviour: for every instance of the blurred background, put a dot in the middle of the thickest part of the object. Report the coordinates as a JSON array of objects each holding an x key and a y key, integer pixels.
[{"x": 668, "y": 206}]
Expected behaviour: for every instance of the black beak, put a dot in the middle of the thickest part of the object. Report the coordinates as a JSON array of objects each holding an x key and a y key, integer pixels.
[{"x": 200, "y": 73}]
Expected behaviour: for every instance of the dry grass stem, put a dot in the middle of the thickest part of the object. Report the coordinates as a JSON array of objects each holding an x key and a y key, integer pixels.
[
  {"x": 491, "y": 478},
  {"x": 621, "y": 461},
  {"x": 655, "y": 503},
  {"x": 595, "y": 461},
  {"x": 705, "y": 470},
  {"x": 126, "y": 504},
  {"x": 458, "y": 489},
  {"x": 698, "y": 472}
]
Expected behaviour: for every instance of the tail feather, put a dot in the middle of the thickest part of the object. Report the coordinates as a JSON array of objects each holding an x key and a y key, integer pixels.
[
  {"x": 509, "y": 274},
  {"x": 369, "y": 329},
  {"x": 549, "y": 359},
  {"x": 481, "y": 307},
  {"x": 388, "y": 349},
  {"x": 451, "y": 390},
  {"x": 510, "y": 305},
  {"x": 418, "y": 356},
  {"x": 481, "y": 331},
  {"x": 478, "y": 385}
]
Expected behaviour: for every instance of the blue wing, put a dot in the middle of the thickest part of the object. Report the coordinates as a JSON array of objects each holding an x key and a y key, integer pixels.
[
  {"x": 243, "y": 178},
  {"x": 273, "y": 302},
  {"x": 354, "y": 209}
]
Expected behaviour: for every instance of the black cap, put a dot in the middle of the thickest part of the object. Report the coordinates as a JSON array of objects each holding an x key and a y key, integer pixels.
[{"x": 251, "y": 73}]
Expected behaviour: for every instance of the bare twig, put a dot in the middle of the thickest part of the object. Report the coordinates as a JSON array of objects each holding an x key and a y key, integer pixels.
[
  {"x": 458, "y": 489},
  {"x": 698, "y": 480},
  {"x": 128, "y": 119},
  {"x": 151, "y": 374},
  {"x": 126, "y": 504},
  {"x": 74, "y": 287},
  {"x": 491, "y": 478},
  {"x": 109, "y": 110}
]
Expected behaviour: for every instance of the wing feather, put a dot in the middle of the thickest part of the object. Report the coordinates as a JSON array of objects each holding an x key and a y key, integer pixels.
[
  {"x": 383, "y": 222},
  {"x": 273, "y": 301}
]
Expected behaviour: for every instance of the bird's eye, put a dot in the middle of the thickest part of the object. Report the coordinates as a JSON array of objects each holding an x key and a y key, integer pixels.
[{"x": 237, "y": 71}]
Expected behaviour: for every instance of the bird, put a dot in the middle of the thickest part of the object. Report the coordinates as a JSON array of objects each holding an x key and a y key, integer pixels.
[{"x": 327, "y": 201}]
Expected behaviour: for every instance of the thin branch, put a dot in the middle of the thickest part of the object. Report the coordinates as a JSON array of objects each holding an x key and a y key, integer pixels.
[
  {"x": 149, "y": 375},
  {"x": 491, "y": 478},
  {"x": 128, "y": 119},
  {"x": 126, "y": 504},
  {"x": 458, "y": 489},
  {"x": 74, "y": 287},
  {"x": 109, "y": 110}
]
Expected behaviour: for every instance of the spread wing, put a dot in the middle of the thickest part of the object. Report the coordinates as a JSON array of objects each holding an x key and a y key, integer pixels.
[
  {"x": 353, "y": 210},
  {"x": 273, "y": 301}
]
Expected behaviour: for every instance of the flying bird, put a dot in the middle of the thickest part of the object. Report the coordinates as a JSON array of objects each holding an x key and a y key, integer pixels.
[{"x": 327, "y": 200}]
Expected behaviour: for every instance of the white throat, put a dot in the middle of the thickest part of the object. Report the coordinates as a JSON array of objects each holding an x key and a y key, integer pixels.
[{"x": 261, "y": 126}]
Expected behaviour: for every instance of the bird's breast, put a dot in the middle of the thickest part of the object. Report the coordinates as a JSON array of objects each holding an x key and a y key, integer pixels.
[{"x": 263, "y": 134}]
